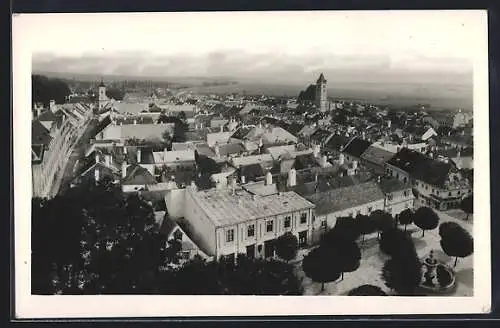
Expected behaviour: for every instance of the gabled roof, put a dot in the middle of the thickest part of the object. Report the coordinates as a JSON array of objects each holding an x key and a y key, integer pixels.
[
  {"x": 392, "y": 184},
  {"x": 251, "y": 172},
  {"x": 356, "y": 147},
  {"x": 231, "y": 148},
  {"x": 47, "y": 116},
  {"x": 320, "y": 135},
  {"x": 421, "y": 167},
  {"x": 137, "y": 175},
  {"x": 39, "y": 134},
  {"x": 336, "y": 141},
  {"x": 376, "y": 155},
  {"x": 346, "y": 197}
]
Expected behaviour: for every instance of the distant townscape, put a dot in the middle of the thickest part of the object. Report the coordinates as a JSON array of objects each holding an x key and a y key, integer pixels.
[{"x": 143, "y": 187}]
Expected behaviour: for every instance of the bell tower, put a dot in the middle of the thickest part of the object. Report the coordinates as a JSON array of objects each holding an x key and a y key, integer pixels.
[
  {"x": 321, "y": 97},
  {"x": 102, "y": 95}
]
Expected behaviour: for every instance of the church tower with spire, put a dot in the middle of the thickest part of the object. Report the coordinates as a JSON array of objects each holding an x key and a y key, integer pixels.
[
  {"x": 321, "y": 97},
  {"x": 102, "y": 95}
]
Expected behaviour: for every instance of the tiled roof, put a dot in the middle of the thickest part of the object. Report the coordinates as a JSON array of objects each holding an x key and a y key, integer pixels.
[
  {"x": 241, "y": 132},
  {"x": 204, "y": 149},
  {"x": 356, "y": 147},
  {"x": 48, "y": 115},
  {"x": 223, "y": 208},
  {"x": 251, "y": 172},
  {"x": 320, "y": 135},
  {"x": 137, "y": 175},
  {"x": 376, "y": 155},
  {"x": 345, "y": 197},
  {"x": 305, "y": 162},
  {"x": 39, "y": 134},
  {"x": 253, "y": 159},
  {"x": 336, "y": 142},
  {"x": 421, "y": 167},
  {"x": 231, "y": 148},
  {"x": 392, "y": 185}
]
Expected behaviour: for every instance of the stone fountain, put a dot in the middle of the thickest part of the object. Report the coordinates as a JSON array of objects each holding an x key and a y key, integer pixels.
[{"x": 437, "y": 277}]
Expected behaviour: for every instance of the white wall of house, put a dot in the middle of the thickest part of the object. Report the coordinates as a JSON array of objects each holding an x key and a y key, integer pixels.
[
  {"x": 175, "y": 202},
  {"x": 398, "y": 201}
]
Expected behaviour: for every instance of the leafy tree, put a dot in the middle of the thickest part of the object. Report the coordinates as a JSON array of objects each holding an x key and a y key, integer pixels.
[
  {"x": 246, "y": 276},
  {"x": 382, "y": 221},
  {"x": 406, "y": 217},
  {"x": 467, "y": 205},
  {"x": 286, "y": 246},
  {"x": 180, "y": 129},
  {"x": 316, "y": 265},
  {"x": 366, "y": 290},
  {"x": 455, "y": 240},
  {"x": 45, "y": 89},
  {"x": 426, "y": 219},
  {"x": 365, "y": 225},
  {"x": 115, "y": 93},
  {"x": 345, "y": 227},
  {"x": 396, "y": 243},
  {"x": 402, "y": 274},
  {"x": 344, "y": 251}
]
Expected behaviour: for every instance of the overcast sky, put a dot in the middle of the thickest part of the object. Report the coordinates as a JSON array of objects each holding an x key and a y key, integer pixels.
[{"x": 285, "y": 46}]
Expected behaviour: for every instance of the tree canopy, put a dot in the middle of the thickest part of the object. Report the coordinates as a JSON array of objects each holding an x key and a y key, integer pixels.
[
  {"x": 426, "y": 219},
  {"x": 366, "y": 290},
  {"x": 467, "y": 205},
  {"x": 45, "y": 89},
  {"x": 382, "y": 220},
  {"x": 317, "y": 266},
  {"x": 406, "y": 217},
  {"x": 365, "y": 225},
  {"x": 396, "y": 243},
  {"x": 286, "y": 246},
  {"x": 115, "y": 93},
  {"x": 455, "y": 240},
  {"x": 402, "y": 274}
]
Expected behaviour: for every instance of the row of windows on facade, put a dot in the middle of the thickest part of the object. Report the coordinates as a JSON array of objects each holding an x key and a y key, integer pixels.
[
  {"x": 269, "y": 227},
  {"x": 426, "y": 187}
]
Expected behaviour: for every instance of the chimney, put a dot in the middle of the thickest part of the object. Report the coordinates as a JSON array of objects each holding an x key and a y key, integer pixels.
[
  {"x": 138, "y": 155},
  {"x": 135, "y": 122},
  {"x": 194, "y": 187},
  {"x": 458, "y": 153},
  {"x": 341, "y": 159},
  {"x": 355, "y": 165},
  {"x": 323, "y": 161},
  {"x": 96, "y": 174},
  {"x": 96, "y": 157},
  {"x": 124, "y": 150},
  {"x": 107, "y": 159},
  {"x": 317, "y": 150},
  {"x": 316, "y": 177},
  {"x": 52, "y": 106},
  {"x": 378, "y": 179},
  {"x": 292, "y": 178},
  {"x": 269, "y": 178},
  {"x": 243, "y": 179},
  {"x": 165, "y": 154},
  {"x": 124, "y": 169},
  {"x": 217, "y": 150},
  {"x": 222, "y": 128}
]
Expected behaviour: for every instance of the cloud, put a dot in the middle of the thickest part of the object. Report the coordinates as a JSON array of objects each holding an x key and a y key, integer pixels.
[{"x": 237, "y": 64}]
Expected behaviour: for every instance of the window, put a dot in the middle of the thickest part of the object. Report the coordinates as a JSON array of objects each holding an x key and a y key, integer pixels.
[
  {"x": 389, "y": 196},
  {"x": 251, "y": 230},
  {"x": 229, "y": 235},
  {"x": 288, "y": 221},
  {"x": 269, "y": 226},
  {"x": 449, "y": 194},
  {"x": 370, "y": 209},
  {"x": 426, "y": 187},
  {"x": 358, "y": 212},
  {"x": 303, "y": 218},
  {"x": 459, "y": 192},
  {"x": 432, "y": 190},
  {"x": 323, "y": 224},
  {"x": 405, "y": 193}
]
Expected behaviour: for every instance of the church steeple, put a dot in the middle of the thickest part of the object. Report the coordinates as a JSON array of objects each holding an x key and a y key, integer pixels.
[{"x": 321, "y": 79}]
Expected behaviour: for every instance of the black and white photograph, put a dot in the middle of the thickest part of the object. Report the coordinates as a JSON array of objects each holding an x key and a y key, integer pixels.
[{"x": 201, "y": 156}]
